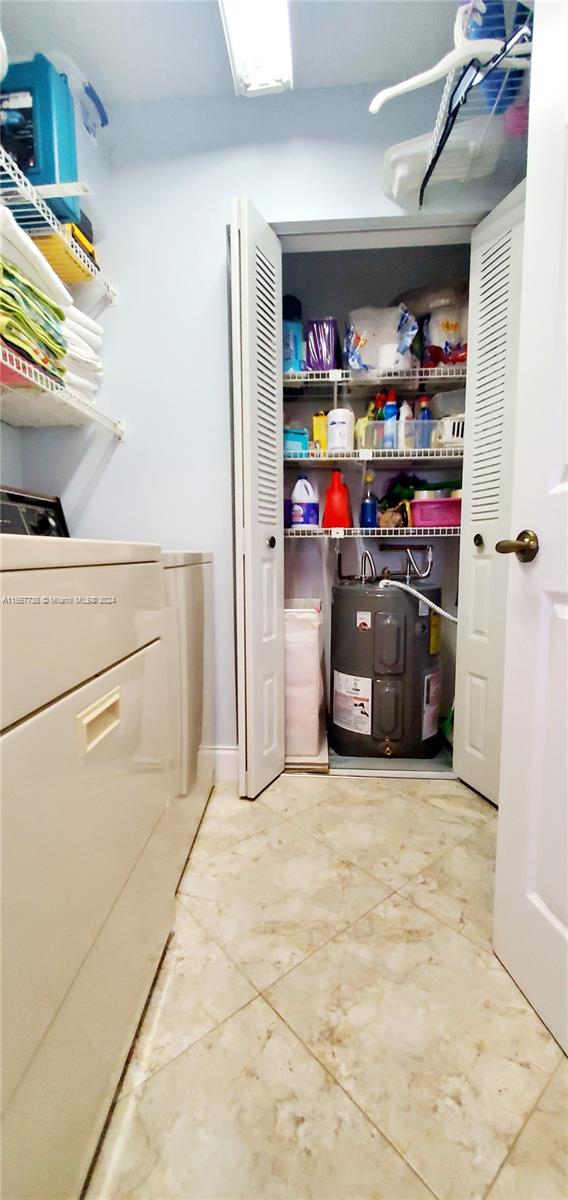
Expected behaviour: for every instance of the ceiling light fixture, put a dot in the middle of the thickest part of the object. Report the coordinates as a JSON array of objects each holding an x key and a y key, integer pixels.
[{"x": 258, "y": 41}]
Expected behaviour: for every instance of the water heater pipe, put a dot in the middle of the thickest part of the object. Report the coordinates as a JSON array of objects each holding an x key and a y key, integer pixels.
[{"x": 405, "y": 587}]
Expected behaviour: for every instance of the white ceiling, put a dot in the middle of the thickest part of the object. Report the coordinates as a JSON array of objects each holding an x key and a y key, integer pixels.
[{"x": 144, "y": 50}]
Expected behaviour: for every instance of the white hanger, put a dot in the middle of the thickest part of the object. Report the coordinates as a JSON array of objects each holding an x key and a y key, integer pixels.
[{"x": 465, "y": 49}]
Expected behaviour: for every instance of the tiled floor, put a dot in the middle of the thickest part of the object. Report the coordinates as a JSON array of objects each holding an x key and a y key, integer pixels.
[{"x": 330, "y": 1022}]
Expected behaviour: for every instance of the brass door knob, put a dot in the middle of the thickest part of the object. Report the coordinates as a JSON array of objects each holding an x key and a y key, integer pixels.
[{"x": 525, "y": 546}]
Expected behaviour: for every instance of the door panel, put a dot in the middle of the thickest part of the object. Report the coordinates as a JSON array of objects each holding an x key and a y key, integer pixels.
[
  {"x": 256, "y": 294},
  {"x": 531, "y": 892},
  {"x": 490, "y": 407}
]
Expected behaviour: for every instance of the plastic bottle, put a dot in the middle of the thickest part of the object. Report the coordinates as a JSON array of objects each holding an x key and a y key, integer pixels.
[
  {"x": 424, "y": 426},
  {"x": 305, "y": 506},
  {"x": 391, "y": 413},
  {"x": 337, "y": 511},
  {"x": 405, "y": 432},
  {"x": 368, "y": 517},
  {"x": 340, "y": 428}
]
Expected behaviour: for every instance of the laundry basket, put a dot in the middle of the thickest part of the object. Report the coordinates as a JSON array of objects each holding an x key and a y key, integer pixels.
[{"x": 304, "y": 679}]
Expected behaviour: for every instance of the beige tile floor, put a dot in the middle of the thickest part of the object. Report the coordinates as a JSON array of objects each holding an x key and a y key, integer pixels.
[{"x": 330, "y": 1022}]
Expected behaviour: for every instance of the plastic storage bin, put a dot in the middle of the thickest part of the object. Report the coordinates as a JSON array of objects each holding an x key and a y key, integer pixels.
[
  {"x": 417, "y": 435},
  {"x": 304, "y": 681},
  {"x": 296, "y": 441},
  {"x": 435, "y": 512},
  {"x": 43, "y": 142}
]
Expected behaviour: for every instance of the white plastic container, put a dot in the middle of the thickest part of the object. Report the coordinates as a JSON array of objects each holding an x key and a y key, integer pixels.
[
  {"x": 340, "y": 429},
  {"x": 448, "y": 404},
  {"x": 304, "y": 680},
  {"x": 92, "y": 139}
]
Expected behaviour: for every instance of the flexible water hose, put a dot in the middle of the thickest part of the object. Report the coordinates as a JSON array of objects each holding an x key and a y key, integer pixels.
[{"x": 405, "y": 587}]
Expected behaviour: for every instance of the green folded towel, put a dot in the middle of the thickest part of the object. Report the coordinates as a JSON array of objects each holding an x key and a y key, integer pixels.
[
  {"x": 10, "y": 306},
  {"x": 29, "y": 290},
  {"x": 16, "y": 336},
  {"x": 36, "y": 312}
]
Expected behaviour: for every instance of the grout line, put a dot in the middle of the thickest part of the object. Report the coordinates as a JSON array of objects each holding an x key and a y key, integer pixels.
[
  {"x": 138, "y": 1086},
  {"x": 452, "y": 929},
  {"x": 523, "y": 1127},
  {"x": 378, "y": 878},
  {"x": 327, "y": 1071},
  {"x": 336, "y": 933}
]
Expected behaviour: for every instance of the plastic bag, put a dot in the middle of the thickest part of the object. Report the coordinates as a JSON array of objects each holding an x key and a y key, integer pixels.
[{"x": 380, "y": 339}]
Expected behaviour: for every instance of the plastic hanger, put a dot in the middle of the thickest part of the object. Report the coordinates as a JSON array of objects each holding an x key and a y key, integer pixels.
[{"x": 485, "y": 50}]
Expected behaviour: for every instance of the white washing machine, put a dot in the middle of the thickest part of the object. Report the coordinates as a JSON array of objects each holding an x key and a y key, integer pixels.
[{"x": 189, "y": 644}]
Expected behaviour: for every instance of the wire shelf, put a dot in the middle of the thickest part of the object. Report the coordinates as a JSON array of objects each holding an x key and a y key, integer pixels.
[
  {"x": 44, "y": 402},
  {"x": 36, "y": 218},
  {"x": 419, "y": 378},
  {"x": 434, "y": 454},
  {"x": 313, "y": 531}
]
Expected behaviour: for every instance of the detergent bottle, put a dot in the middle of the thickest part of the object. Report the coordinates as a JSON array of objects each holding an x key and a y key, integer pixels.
[
  {"x": 305, "y": 506},
  {"x": 337, "y": 511}
]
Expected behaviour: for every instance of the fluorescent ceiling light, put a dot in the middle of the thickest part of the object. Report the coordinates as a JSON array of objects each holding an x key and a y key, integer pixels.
[{"x": 258, "y": 40}]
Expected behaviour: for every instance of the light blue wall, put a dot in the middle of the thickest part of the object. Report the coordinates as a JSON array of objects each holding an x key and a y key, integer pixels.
[
  {"x": 176, "y": 165},
  {"x": 10, "y": 456}
]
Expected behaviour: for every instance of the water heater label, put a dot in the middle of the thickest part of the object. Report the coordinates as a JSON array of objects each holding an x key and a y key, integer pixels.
[
  {"x": 352, "y": 702},
  {"x": 431, "y": 704},
  {"x": 364, "y": 621}
]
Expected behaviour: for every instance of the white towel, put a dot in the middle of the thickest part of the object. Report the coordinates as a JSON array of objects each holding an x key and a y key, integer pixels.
[
  {"x": 19, "y": 249},
  {"x": 77, "y": 383},
  {"x": 91, "y": 370},
  {"x": 80, "y": 331},
  {"x": 81, "y": 318},
  {"x": 79, "y": 348}
]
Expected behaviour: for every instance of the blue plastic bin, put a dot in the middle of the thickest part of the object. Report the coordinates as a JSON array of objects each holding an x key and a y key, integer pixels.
[{"x": 44, "y": 140}]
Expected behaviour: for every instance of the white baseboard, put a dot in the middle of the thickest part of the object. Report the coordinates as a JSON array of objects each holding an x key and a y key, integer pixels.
[{"x": 226, "y": 759}]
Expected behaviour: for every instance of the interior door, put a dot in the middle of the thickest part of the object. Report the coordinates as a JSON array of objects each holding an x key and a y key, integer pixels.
[
  {"x": 494, "y": 313},
  {"x": 256, "y": 303},
  {"x": 531, "y": 902}
]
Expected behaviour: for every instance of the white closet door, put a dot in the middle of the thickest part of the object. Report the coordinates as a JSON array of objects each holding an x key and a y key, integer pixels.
[
  {"x": 531, "y": 886},
  {"x": 256, "y": 293},
  {"x": 494, "y": 307}
]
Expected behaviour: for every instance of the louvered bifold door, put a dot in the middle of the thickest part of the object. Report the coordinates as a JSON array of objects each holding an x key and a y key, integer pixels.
[
  {"x": 256, "y": 286},
  {"x": 495, "y": 282}
]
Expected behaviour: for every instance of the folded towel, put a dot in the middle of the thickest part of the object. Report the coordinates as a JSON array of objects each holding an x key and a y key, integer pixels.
[
  {"x": 11, "y": 309},
  {"x": 35, "y": 303},
  {"x": 18, "y": 339},
  {"x": 78, "y": 384},
  {"x": 91, "y": 372},
  {"x": 81, "y": 318},
  {"x": 79, "y": 345},
  {"x": 21, "y": 251},
  {"x": 92, "y": 339}
]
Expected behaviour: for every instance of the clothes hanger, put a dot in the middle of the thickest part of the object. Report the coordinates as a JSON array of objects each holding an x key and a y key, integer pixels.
[
  {"x": 473, "y": 74},
  {"x": 485, "y": 50}
]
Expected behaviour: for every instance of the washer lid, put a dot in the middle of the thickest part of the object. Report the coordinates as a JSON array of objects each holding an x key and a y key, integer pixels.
[
  {"x": 183, "y": 558},
  {"x": 20, "y": 552}
]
